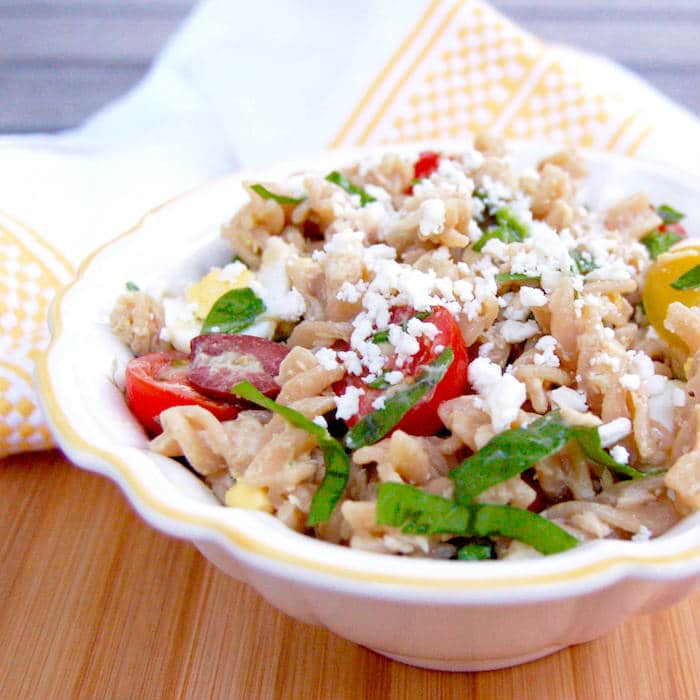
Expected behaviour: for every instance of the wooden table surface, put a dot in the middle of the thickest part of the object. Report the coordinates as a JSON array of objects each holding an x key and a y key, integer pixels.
[{"x": 95, "y": 604}]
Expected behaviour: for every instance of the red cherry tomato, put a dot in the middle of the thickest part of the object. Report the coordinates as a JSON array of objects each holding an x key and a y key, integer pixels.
[
  {"x": 158, "y": 381},
  {"x": 421, "y": 419},
  {"x": 425, "y": 166}
]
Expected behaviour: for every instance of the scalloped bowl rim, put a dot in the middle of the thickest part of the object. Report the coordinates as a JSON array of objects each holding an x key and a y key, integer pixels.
[{"x": 258, "y": 539}]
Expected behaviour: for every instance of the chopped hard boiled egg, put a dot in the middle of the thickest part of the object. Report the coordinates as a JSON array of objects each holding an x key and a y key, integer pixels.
[
  {"x": 242, "y": 495},
  {"x": 213, "y": 285},
  {"x": 184, "y": 316}
]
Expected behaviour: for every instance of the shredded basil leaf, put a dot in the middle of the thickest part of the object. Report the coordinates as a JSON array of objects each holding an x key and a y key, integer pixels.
[
  {"x": 238, "y": 258},
  {"x": 475, "y": 552},
  {"x": 583, "y": 261},
  {"x": 132, "y": 287},
  {"x": 419, "y": 513},
  {"x": 509, "y": 229},
  {"x": 335, "y": 459},
  {"x": 669, "y": 215},
  {"x": 508, "y": 454},
  {"x": 688, "y": 280},
  {"x": 379, "y": 383},
  {"x": 502, "y": 233},
  {"x": 337, "y": 178},
  {"x": 515, "y": 277},
  {"x": 658, "y": 242},
  {"x": 377, "y": 424},
  {"x": 505, "y": 217},
  {"x": 279, "y": 198},
  {"x": 512, "y": 452},
  {"x": 383, "y": 336},
  {"x": 416, "y": 181},
  {"x": 233, "y": 311},
  {"x": 589, "y": 440}
]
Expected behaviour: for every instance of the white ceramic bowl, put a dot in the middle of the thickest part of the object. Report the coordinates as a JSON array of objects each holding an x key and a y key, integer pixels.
[{"x": 436, "y": 614}]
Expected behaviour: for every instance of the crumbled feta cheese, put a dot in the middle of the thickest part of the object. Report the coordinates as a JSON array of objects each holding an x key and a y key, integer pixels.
[
  {"x": 607, "y": 360},
  {"x": 348, "y": 404},
  {"x": 518, "y": 331},
  {"x": 631, "y": 381},
  {"x": 320, "y": 421},
  {"x": 393, "y": 377},
  {"x": 565, "y": 397},
  {"x": 379, "y": 402},
  {"x": 351, "y": 361},
  {"x": 418, "y": 329},
  {"x": 532, "y": 297},
  {"x": 642, "y": 535},
  {"x": 496, "y": 248},
  {"x": 679, "y": 397},
  {"x": 351, "y": 292},
  {"x": 432, "y": 217},
  {"x": 327, "y": 358},
  {"x": 544, "y": 352},
  {"x": 502, "y": 394},
  {"x": 614, "y": 431},
  {"x": 620, "y": 454}
]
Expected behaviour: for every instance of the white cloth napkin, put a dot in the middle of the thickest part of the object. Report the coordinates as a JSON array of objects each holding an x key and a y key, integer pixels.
[{"x": 245, "y": 84}]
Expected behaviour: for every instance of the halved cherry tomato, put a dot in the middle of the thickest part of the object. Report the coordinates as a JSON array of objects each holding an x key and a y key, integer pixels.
[
  {"x": 425, "y": 166},
  {"x": 158, "y": 381},
  {"x": 421, "y": 419}
]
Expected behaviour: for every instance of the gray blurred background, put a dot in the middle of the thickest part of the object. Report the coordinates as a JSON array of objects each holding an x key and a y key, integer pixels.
[{"x": 62, "y": 59}]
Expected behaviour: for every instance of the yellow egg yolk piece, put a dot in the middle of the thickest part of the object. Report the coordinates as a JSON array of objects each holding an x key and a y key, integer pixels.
[{"x": 212, "y": 286}]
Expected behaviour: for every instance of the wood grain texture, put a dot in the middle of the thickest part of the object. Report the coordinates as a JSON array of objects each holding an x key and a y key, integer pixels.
[
  {"x": 95, "y": 604},
  {"x": 62, "y": 59}
]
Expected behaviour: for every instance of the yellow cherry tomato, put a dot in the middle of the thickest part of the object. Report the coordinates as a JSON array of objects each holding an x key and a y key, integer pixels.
[{"x": 658, "y": 294}]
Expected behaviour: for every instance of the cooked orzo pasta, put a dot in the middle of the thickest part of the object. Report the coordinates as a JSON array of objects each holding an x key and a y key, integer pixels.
[{"x": 435, "y": 355}]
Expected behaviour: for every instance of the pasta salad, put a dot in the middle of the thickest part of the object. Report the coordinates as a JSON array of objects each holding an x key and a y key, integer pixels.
[{"x": 434, "y": 355}]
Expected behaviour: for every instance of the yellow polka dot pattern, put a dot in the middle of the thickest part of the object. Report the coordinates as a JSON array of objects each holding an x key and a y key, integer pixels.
[
  {"x": 470, "y": 69},
  {"x": 26, "y": 288}
]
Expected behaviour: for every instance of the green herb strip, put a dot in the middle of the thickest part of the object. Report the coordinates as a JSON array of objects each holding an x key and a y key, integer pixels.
[
  {"x": 335, "y": 459},
  {"x": 515, "y": 277},
  {"x": 505, "y": 217},
  {"x": 583, "y": 261},
  {"x": 669, "y": 215},
  {"x": 379, "y": 383},
  {"x": 658, "y": 242},
  {"x": 512, "y": 452},
  {"x": 337, "y": 178},
  {"x": 233, "y": 312},
  {"x": 509, "y": 229},
  {"x": 132, "y": 287},
  {"x": 475, "y": 552},
  {"x": 279, "y": 198},
  {"x": 688, "y": 280},
  {"x": 383, "y": 336},
  {"x": 419, "y": 513},
  {"x": 374, "y": 426}
]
